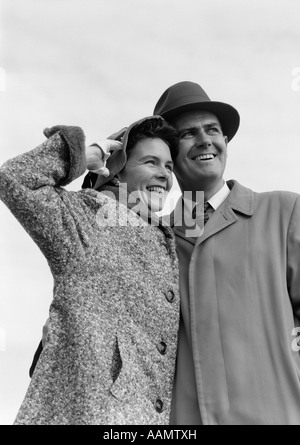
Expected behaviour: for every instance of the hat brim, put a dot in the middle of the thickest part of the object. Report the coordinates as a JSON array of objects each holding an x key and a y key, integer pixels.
[
  {"x": 117, "y": 161},
  {"x": 228, "y": 116}
]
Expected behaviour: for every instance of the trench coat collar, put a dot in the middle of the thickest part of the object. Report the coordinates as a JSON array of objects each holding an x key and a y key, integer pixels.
[
  {"x": 240, "y": 198},
  {"x": 239, "y": 201}
]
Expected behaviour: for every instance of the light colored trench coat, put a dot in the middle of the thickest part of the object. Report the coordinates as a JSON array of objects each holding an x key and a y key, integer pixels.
[
  {"x": 244, "y": 296},
  {"x": 111, "y": 347}
]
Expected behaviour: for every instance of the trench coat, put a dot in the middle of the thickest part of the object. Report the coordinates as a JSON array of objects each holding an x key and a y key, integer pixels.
[
  {"x": 244, "y": 296},
  {"x": 110, "y": 353}
]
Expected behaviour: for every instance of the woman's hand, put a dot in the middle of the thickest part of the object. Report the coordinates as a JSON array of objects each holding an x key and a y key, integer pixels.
[{"x": 97, "y": 155}]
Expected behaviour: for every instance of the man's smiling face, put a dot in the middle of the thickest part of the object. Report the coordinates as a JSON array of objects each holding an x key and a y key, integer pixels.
[{"x": 202, "y": 156}]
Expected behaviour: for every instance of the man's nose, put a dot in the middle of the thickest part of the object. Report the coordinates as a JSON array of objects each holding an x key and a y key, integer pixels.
[{"x": 203, "y": 139}]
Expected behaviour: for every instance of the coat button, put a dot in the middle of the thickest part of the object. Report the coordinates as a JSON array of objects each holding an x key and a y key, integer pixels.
[
  {"x": 158, "y": 405},
  {"x": 170, "y": 296},
  {"x": 162, "y": 347}
]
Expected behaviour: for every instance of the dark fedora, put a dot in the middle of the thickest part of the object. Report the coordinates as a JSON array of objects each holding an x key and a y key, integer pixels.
[{"x": 186, "y": 96}]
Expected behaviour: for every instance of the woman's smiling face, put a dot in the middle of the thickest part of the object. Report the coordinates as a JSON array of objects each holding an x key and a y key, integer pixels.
[{"x": 148, "y": 172}]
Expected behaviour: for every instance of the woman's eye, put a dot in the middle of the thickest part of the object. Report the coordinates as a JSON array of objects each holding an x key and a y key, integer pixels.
[
  {"x": 169, "y": 167},
  {"x": 150, "y": 162}
]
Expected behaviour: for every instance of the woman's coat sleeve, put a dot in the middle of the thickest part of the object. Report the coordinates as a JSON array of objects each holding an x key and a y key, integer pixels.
[{"x": 31, "y": 187}]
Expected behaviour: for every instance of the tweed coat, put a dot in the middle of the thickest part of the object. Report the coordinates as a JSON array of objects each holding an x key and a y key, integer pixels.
[
  {"x": 111, "y": 347},
  {"x": 243, "y": 280}
]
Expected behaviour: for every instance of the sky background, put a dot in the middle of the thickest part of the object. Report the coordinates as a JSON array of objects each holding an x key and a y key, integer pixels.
[{"x": 102, "y": 64}]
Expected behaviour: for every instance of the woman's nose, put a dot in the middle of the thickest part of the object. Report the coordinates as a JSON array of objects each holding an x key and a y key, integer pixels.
[{"x": 163, "y": 172}]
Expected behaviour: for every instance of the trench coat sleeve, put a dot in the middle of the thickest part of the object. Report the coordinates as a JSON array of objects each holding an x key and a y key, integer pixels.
[
  {"x": 31, "y": 187},
  {"x": 293, "y": 259}
]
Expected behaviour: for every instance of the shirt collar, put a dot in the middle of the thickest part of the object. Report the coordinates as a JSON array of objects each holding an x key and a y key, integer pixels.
[{"x": 215, "y": 201}]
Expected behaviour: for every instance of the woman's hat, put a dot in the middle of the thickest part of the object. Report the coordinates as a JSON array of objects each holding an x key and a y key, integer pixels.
[
  {"x": 186, "y": 96},
  {"x": 116, "y": 162}
]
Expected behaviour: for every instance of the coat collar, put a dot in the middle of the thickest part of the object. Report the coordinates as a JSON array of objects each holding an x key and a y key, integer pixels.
[
  {"x": 148, "y": 217},
  {"x": 240, "y": 198}
]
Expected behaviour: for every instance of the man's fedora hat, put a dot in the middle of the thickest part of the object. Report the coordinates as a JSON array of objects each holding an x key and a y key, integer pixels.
[{"x": 186, "y": 96}]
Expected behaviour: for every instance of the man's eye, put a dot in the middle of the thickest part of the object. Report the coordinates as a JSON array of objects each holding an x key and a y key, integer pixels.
[
  {"x": 151, "y": 161},
  {"x": 214, "y": 130},
  {"x": 169, "y": 167},
  {"x": 186, "y": 134}
]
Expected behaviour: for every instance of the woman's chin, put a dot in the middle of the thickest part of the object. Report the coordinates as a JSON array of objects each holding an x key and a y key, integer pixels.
[
  {"x": 153, "y": 201},
  {"x": 156, "y": 204}
]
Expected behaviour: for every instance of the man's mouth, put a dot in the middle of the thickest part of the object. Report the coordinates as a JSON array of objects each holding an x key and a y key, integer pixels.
[
  {"x": 156, "y": 189},
  {"x": 204, "y": 157}
]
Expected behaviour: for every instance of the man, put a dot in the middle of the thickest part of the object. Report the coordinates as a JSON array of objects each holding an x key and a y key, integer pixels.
[{"x": 238, "y": 361}]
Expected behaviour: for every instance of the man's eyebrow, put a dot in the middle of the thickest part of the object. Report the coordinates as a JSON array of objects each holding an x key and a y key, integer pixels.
[
  {"x": 195, "y": 128},
  {"x": 187, "y": 128},
  {"x": 212, "y": 124}
]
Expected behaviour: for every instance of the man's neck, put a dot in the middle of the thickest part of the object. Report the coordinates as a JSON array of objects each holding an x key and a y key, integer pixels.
[{"x": 209, "y": 190}]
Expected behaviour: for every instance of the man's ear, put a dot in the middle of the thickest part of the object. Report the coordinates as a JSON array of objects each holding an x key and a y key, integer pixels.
[{"x": 226, "y": 142}]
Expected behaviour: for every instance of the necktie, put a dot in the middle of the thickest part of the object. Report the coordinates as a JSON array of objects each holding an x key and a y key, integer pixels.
[{"x": 207, "y": 209}]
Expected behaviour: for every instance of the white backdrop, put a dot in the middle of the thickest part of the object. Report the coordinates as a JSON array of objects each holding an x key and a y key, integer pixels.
[{"x": 102, "y": 64}]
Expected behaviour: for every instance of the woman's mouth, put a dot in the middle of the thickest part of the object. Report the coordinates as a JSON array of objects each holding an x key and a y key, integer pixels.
[{"x": 156, "y": 189}]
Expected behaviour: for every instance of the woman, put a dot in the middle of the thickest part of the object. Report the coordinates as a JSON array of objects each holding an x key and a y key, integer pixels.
[{"x": 110, "y": 352}]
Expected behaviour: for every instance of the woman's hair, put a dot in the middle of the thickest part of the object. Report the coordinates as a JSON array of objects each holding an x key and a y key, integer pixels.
[{"x": 154, "y": 128}]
